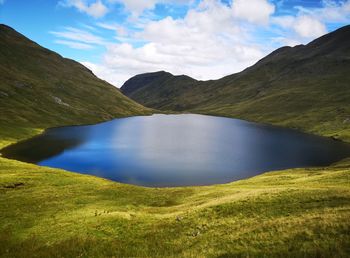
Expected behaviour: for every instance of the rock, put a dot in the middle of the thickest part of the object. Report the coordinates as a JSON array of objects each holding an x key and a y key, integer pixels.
[
  {"x": 60, "y": 85},
  {"x": 59, "y": 101},
  {"x": 22, "y": 85},
  {"x": 346, "y": 120},
  {"x": 15, "y": 185},
  {"x": 196, "y": 233},
  {"x": 335, "y": 138},
  {"x": 3, "y": 94}
]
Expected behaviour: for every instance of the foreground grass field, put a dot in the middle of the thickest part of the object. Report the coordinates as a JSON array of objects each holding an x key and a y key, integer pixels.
[{"x": 53, "y": 213}]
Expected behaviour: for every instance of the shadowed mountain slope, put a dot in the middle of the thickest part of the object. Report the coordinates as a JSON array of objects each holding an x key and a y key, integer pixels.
[
  {"x": 39, "y": 88},
  {"x": 305, "y": 87}
]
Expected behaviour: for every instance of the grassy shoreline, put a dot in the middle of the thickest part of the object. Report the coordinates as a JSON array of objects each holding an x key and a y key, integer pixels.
[{"x": 51, "y": 212}]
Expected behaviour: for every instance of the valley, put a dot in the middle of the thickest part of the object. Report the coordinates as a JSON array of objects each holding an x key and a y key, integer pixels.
[
  {"x": 305, "y": 87},
  {"x": 300, "y": 212}
]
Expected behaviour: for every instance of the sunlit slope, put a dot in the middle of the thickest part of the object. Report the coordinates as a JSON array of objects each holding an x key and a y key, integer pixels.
[
  {"x": 53, "y": 213},
  {"x": 39, "y": 88},
  {"x": 305, "y": 87},
  {"x": 294, "y": 213}
]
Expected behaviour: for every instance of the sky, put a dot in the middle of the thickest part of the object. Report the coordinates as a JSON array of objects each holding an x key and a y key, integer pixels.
[{"x": 205, "y": 39}]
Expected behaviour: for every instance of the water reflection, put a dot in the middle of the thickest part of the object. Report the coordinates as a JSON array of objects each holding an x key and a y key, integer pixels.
[
  {"x": 174, "y": 150},
  {"x": 52, "y": 143}
]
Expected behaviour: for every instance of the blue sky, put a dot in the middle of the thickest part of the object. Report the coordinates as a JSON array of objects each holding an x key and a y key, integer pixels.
[{"x": 206, "y": 39}]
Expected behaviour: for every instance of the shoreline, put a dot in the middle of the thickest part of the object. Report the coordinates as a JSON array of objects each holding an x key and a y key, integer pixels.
[{"x": 42, "y": 131}]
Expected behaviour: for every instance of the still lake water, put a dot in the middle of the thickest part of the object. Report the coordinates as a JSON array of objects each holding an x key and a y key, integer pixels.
[{"x": 176, "y": 150}]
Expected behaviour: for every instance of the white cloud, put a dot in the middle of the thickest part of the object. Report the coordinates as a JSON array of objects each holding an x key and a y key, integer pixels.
[
  {"x": 305, "y": 26},
  {"x": 208, "y": 43},
  {"x": 309, "y": 27},
  {"x": 75, "y": 45},
  {"x": 96, "y": 9},
  {"x": 334, "y": 11},
  {"x": 308, "y": 24},
  {"x": 254, "y": 11},
  {"x": 86, "y": 26},
  {"x": 284, "y": 21},
  {"x": 120, "y": 30},
  {"x": 108, "y": 26},
  {"x": 137, "y": 7},
  {"x": 109, "y": 74},
  {"x": 74, "y": 34},
  {"x": 212, "y": 40}
]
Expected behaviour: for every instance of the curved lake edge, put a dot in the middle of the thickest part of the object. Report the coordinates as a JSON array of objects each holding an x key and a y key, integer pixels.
[
  {"x": 44, "y": 130},
  {"x": 41, "y": 132}
]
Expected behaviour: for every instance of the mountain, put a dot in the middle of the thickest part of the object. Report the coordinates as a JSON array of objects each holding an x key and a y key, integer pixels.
[
  {"x": 39, "y": 88},
  {"x": 305, "y": 87},
  {"x": 160, "y": 90}
]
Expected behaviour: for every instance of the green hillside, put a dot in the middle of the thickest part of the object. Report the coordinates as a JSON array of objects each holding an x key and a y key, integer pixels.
[
  {"x": 47, "y": 212},
  {"x": 40, "y": 89},
  {"x": 294, "y": 213},
  {"x": 305, "y": 87}
]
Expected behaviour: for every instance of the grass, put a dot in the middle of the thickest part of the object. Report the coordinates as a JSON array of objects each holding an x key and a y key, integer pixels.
[
  {"x": 305, "y": 87},
  {"x": 41, "y": 89},
  {"x": 311, "y": 103},
  {"x": 48, "y": 212}
]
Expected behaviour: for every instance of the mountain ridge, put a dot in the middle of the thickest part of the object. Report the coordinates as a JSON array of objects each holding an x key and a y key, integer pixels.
[
  {"x": 305, "y": 87},
  {"x": 39, "y": 88}
]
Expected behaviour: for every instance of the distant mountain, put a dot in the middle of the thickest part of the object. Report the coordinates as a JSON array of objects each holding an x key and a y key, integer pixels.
[
  {"x": 39, "y": 88},
  {"x": 159, "y": 90},
  {"x": 305, "y": 87}
]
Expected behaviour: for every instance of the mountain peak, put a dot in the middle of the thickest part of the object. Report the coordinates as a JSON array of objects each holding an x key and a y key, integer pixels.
[
  {"x": 5, "y": 27},
  {"x": 9, "y": 30},
  {"x": 336, "y": 44},
  {"x": 40, "y": 88},
  {"x": 138, "y": 81},
  {"x": 337, "y": 41},
  {"x": 301, "y": 81}
]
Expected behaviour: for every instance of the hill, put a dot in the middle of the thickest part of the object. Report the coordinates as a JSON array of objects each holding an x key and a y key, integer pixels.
[
  {"x": 53, "y": 213},
  {"x": 40, "y": 89},
  {"x": 47, "y": 212},
  {"x": 160, "y": 90},
  {"x": 305, "y": 87}
]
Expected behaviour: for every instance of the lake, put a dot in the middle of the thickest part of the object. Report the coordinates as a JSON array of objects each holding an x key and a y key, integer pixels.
[{"x": 176, "y": 150}]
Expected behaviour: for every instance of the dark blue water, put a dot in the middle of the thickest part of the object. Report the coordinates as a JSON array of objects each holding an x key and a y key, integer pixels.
[{"x": 176, "y": 150}]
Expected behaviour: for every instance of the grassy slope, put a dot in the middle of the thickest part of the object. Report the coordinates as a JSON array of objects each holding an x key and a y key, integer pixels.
[
  {"x": 305, "y": 87},
  {"x": 49, "y": 212},
  {"x": 160, "y": 90},
  {"x": 292, "y": 213},
  {"x": 40, "y": 89}
]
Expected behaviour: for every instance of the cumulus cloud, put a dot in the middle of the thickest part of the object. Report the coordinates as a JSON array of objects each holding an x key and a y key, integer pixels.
[
  {"x": 254, "y": 11},
  {"x": 311, "y": 23},
  {"x": 211, "y": 40},
  {"x": 305, "y": 26},
  {"x": 309, "y": 27},
  {"x": 96, "y": 9},
  {"x": 207, "y": 43},
  {"x": 334, "y": 11}
]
